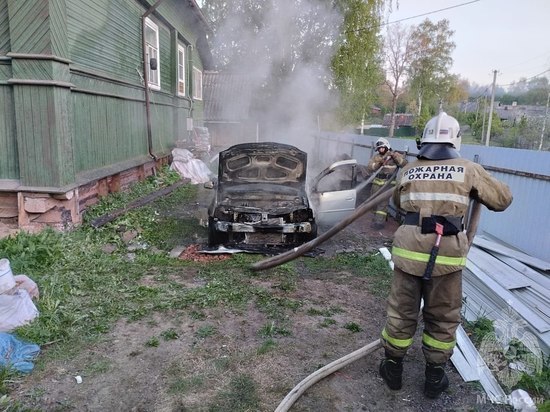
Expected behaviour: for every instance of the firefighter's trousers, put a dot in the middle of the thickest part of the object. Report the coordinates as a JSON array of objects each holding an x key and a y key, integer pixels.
[
  {"x": 442, "y": 303},
  {"x": 380, "y": 210}
]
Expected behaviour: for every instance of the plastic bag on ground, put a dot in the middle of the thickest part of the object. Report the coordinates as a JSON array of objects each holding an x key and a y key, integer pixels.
[
  {"x": 24, "y": 282},
  {"x": 16, "y": 354},
  {"x": 16, "y": 310},
  {"x": 188, "y": 167}
]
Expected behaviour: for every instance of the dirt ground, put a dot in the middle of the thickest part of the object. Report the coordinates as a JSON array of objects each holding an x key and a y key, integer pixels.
[{"x": 120, "y": 373}]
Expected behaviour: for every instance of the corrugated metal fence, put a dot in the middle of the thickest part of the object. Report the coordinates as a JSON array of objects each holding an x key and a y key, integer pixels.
[{"x": 525, "y": 225}]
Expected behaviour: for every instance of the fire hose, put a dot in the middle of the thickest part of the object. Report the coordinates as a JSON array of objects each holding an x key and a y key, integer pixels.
[
  {"x": 367, "y": 205},
  {"x": 298, "y": 390}
]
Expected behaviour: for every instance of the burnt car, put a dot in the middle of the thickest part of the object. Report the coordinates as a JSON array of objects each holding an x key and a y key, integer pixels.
[
  {"x": 261, "y": 199},
  {"x": 338, "y": 190}
]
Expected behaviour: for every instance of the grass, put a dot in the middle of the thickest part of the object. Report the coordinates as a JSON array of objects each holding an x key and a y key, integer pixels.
[
  {"x": 373, "y": 266},
  {"x": 240, "y": 395},
  {"x": 353, "y": 327},
  {"x": 537, "y": 385},
  {"x": 205, "y": 331},
  {"x": 478, "y": 329},
  {"x": 85, "y": 290}
]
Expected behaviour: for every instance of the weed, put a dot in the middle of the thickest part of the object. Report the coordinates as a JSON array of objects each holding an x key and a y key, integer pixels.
[
  {"x": 267, "y": 346},
  {"x": 271, "y": 330},
  {"x": 9, "y": 405},
  {"x": 152, "y": 342},
  {"x": 478, "y": 329},
  {"x": 327, "y": 322},
  {"x": 32, "y": 253},
  {"x": 98, "y": 366},
  {"x": 537, "y": 385},
  {"x": 205, "y": 331},
  {"x": 6, "y": 377},
  {"x": 241, "y": 395},
  {"x": 184, "y": 385},
  {"x": 324, "y": 312},
  {"x": 197, "y": 315},
  {"x": 373, "y": 266},
  {"x": 170, "y": 334},
  {"x": 353, "y": 327},
  {"x": 222, "y": 364}
]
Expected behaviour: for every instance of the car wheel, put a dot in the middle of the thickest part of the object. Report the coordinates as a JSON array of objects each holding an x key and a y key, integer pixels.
[
  {"x": 215, "y": 238},
  {"x": 313, "y": 233}
]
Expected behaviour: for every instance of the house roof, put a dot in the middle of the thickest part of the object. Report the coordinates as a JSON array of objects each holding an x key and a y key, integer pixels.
[
  {"x": 199, "y": 14},
  {"x": 401, "y": 119},
  {"x": 227, "y": 96}
]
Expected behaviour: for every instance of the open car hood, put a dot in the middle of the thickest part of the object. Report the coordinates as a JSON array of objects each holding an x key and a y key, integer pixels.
[{"x": 272, "y": 163}]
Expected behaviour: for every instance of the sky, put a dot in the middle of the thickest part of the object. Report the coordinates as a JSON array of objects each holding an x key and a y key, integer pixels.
[{"x": 512, "y": 37}]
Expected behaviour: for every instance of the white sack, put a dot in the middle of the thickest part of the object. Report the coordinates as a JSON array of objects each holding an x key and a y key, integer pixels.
[
  {"x": 16, "y": 310},
  {"x": 24, "y": 282},
  {"x": 188, "y": 167}
]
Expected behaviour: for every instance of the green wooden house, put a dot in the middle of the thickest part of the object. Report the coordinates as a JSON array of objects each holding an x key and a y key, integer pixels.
[{"x": 94, "y": 94}]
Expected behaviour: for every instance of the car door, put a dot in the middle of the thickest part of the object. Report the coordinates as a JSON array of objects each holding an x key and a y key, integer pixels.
[{"x": 334, "y": 193}]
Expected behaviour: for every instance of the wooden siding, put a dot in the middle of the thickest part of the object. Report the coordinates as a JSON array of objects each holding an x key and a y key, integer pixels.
[
  {"x": 4, "y": 28},
  {"x": 9, "y": 161},
  {"x": 107, "y": 130},
  {"x": 105, "y": 45},
  {"x": 89, "y": 110},
  {"x": 44, "y": 135},
  {"x": 38, "y": 26},
  {"x": 106, "y": 36}
]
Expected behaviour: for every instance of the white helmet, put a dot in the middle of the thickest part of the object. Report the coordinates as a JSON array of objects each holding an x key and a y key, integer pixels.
[
  {"x": 442, "y": 129},
  {"x": 382, "y": 143}
]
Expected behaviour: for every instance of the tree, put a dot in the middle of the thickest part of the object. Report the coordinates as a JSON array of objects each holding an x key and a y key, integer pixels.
[
  {"x": 356, "y": 65},
  {"x": 429, "y": 70},
  {"x": 302, "y": 46},
  {"x": 457, "y": 90},
  {"x": 398, "y": 50},
  {"x": 284, "y": 47}
]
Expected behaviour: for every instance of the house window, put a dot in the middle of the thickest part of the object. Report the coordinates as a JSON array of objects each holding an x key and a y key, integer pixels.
[
  {"x": 197, "y": 84},
  {"x": 152, "y": 58},
  {"x": 181, "y": 70}
]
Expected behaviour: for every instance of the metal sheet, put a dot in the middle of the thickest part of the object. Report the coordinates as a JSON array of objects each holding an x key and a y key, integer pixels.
[
  {"x": 508, "y": 298},
  {"x": 503, "y": 274},
  {"x": 522, "y": 257},
  {"x": 541, "y": 280}
]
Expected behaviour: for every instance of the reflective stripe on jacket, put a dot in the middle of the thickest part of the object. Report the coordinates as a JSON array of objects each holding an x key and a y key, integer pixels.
[{"x": 441, "y": 187}]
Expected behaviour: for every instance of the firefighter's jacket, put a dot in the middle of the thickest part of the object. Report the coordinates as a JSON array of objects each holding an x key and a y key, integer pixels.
[
  {"x": 387, "y": 163},
  {"x": 441, "y": 188}
]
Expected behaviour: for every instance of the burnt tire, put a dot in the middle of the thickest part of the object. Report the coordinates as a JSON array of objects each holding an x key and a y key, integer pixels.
[{"x": 215, "y": 238}]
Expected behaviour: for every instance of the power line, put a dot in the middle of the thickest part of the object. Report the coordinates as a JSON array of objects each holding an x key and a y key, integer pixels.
[
  {"x": 431, "y": 12},
  {"x": 546, "y": 55},
  {"x": 529, "y": 78},
  {"x": 414, "y": 17}
]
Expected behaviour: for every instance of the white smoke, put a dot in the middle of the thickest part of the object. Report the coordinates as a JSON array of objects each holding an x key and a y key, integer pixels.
[{"x": 287, "y": 58}]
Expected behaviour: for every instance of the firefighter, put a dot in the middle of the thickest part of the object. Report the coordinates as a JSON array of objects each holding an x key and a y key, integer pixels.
[
  {"x": 387, "y": 160},
  {"x": 434, "y": 190}
]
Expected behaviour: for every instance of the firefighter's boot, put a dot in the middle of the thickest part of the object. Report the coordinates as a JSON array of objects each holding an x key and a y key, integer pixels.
[
  {"x": 391, "y": 370},
  {"x": 436, "y": 380}
]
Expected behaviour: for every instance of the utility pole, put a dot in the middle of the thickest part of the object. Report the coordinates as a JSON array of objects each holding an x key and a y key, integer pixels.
[
  {"x": 544, "y": 121},
  {"x": 484, "y": 113},
  {"x": 491, "y": 108}
]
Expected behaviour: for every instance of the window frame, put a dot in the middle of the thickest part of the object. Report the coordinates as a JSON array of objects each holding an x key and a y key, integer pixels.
[
  {"x": 153, "y": 81},
  {"x": 197, "y": 83},
  {"x": 181, "y": 76}
]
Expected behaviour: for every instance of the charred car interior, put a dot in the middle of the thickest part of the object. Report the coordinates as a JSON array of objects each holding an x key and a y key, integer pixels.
[{"x": 261, "y": 199}]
